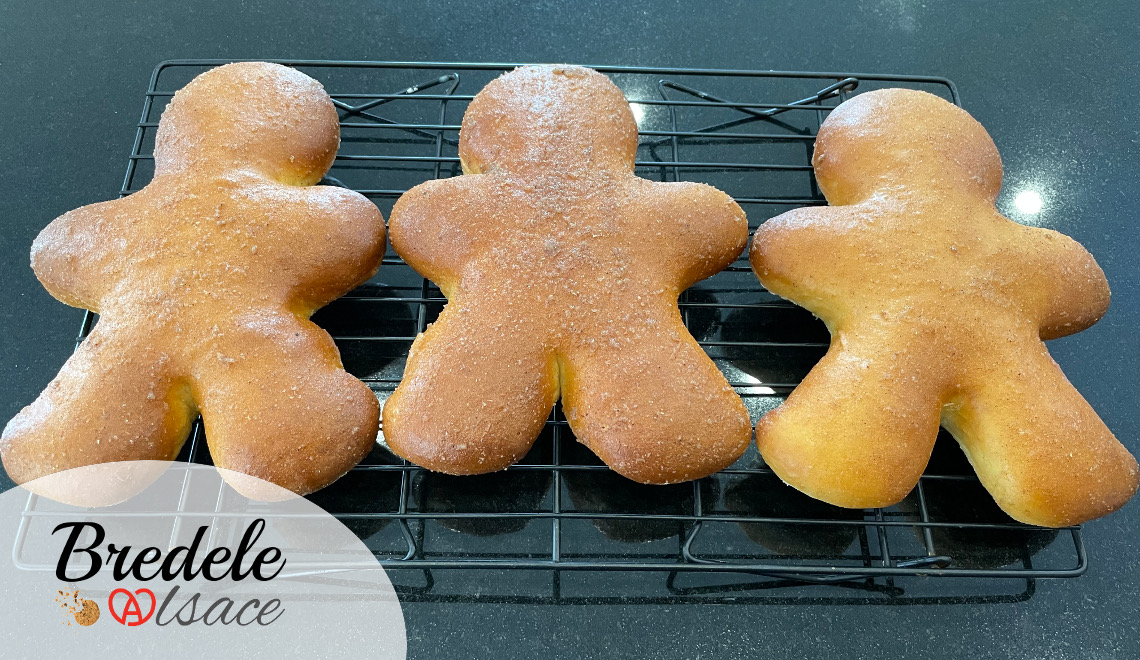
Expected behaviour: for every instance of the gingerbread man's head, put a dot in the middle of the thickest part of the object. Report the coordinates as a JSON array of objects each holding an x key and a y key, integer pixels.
[
  {"x": 883, "y": 139},
  {"x": 562, "y": 118},
  {"x": 250, "y": 115}
]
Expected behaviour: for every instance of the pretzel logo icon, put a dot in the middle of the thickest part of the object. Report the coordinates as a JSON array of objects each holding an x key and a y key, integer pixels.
[{"x": 131, "y": 608}]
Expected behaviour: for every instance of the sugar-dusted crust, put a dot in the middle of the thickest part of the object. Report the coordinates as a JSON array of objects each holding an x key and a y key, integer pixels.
[
  {"x": 562, "y": 271},
  {"x": 204, "y": 281},
  {"x": 938, "y": 307}
]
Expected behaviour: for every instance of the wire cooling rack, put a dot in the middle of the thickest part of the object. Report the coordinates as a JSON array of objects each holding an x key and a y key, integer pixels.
[{"x": 557, "y": 526}]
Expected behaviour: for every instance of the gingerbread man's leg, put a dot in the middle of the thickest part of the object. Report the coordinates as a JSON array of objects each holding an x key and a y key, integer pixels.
[
  {"x": 114, "y": 400},
  {"x": 638, "y": 403},
  {"x": 476, "y": 402},
  {"x": 277, "y": 404},
  {"x": 859, "y": 429},
  {"x": 1030, "y": 435}
]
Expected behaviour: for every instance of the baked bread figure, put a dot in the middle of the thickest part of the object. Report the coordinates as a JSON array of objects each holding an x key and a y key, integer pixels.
[
  {"x": 562, "y": 271},
  {"x": 938, "y": 307},
  {"x": 204, "y": 281}
]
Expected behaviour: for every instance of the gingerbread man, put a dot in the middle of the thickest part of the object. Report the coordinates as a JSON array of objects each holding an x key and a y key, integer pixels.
[
  {"x": 562, "y": 271},
  {"x": 204, "y": 281},
  {"x": 938, "y": 307}
]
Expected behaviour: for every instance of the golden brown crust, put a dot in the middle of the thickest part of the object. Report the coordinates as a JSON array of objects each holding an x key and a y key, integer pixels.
[
  {"x": 562, "y": 271},
  {"x": 937, "y": 306},
  {"x": 204, "y": 281}
]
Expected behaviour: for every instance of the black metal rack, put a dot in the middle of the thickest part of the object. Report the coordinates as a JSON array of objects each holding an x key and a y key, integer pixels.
[{"x": 735, "y": 533}]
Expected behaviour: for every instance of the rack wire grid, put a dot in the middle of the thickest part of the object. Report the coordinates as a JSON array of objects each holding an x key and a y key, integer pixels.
[{"x": 560, "y": 513}]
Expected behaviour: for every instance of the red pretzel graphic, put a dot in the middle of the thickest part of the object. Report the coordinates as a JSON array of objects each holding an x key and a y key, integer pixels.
[{"x": 131, "y": 608}]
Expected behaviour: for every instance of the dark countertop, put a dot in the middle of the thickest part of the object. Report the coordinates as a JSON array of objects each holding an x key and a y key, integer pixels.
[{"x": 1053, "y": 82}]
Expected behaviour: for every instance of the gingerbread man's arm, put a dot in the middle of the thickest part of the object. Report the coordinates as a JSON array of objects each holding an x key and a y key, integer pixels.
[
  {"x": 306, "y": 246},
  {"x": 785, "y": 256},
  {"x": 79, "y": 255},
  {"x": 1075, "y": 293},
  {"x": 338, "y": 244},
  {"x": 434, "y": 233},
  {"x": 701, "y": 229}
]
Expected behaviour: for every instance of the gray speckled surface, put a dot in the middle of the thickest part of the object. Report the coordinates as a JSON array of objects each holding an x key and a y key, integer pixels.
[{"x": 1054, "y": 82}]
